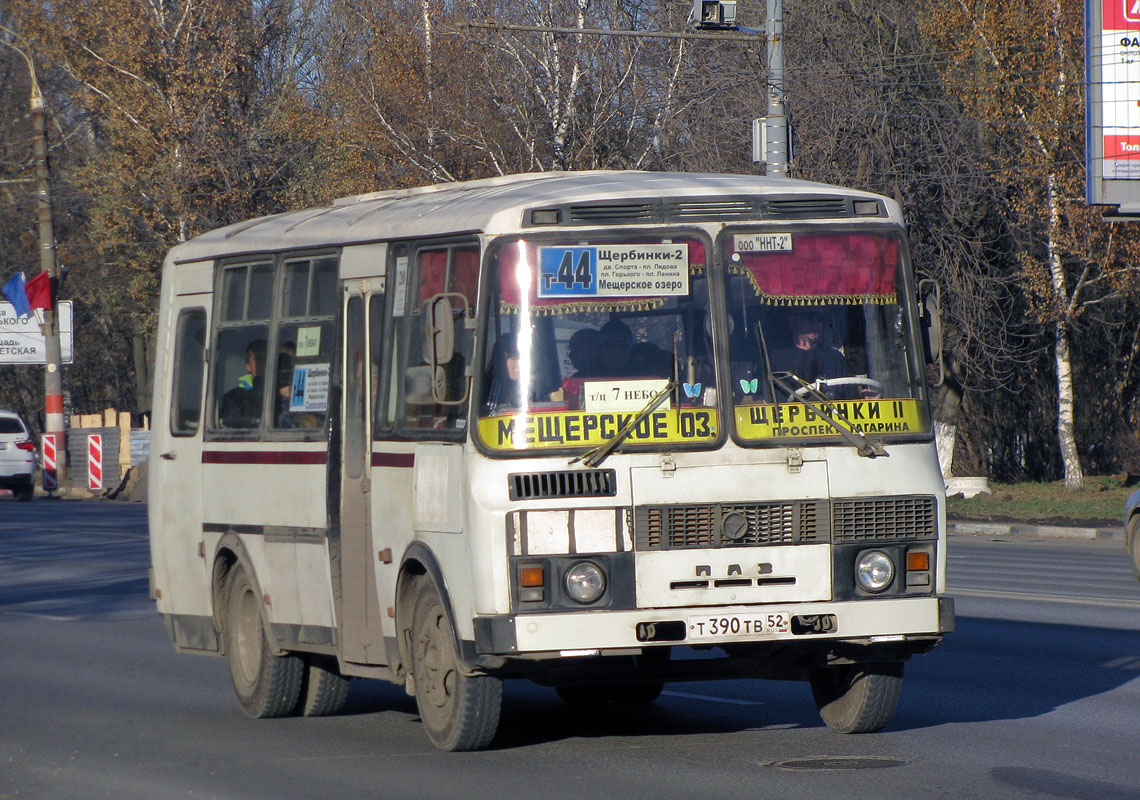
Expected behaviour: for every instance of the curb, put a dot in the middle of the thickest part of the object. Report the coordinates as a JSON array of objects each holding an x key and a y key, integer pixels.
[{"x": 1027, "y": 531}]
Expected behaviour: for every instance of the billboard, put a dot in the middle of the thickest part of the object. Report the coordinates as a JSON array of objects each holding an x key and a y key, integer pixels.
[
  {"x": 22, "y": 340},
  {"x": 1112, "y": 114}
]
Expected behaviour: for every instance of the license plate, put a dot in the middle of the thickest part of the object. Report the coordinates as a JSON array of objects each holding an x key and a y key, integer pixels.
[{"x": 739, "y": 626}]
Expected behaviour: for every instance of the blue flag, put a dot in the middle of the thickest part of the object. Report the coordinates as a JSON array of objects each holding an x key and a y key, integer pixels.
[{"x": 17, "y": 296}]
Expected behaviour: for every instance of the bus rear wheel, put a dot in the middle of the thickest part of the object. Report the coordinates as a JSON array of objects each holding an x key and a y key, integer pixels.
[
  {"x": 857, "y": 698},
  {"x": 266, "y": 685},
  {"x": 324, "y": 691},
  {"x": 459, "y": 711}
]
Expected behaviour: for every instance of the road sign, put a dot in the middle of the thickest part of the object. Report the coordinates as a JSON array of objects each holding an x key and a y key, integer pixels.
[
  {"x": 1112, "y": 135},
  {"x": 22, "y": 340},
  {"x": 50, "y": 479},
  {"x": 95, "y": 462}
]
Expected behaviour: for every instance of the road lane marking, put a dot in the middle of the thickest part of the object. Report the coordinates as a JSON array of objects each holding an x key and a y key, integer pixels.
[
  {"x": 1104, "y": 602},
  {"x": 1124, "y": 662},
  {"x": 711, "y": 699},
  {"x": 37, "y": 615}
]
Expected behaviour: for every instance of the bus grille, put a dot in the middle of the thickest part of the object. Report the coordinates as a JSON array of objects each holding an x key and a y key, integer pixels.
[
  {"x": 614, "y": 212},
  {"x": 808, "y": 208},
  {"x": 569, "y": 483},
  {"x": 793, "y": 522},
  {"x": 728, "y": 208},
  {"x": 695, "y": 209},
  {"x": 881, "y": 518},
  {"x": 730, "y": 525}
]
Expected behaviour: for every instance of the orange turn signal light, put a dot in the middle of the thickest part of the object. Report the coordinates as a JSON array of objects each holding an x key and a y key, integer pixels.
[
  {"x": 531, "y": 577},
  {"x": 917, "y": 561}
]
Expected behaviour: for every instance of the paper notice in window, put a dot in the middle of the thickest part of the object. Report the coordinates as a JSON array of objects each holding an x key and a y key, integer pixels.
[
  {"x": 620, "y": 395},
  {"x": 309, "y": 342},
  {"x": 310, "y": 388}
]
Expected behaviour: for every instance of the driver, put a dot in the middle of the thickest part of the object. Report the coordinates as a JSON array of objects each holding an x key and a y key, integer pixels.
[{"x": 809, "y": 357}]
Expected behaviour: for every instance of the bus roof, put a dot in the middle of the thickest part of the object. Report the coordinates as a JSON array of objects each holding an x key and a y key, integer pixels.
[{"x": 490, "y": 205}]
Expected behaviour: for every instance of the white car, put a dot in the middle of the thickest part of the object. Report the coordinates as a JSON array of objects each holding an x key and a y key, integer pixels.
[{"x": 17, "y": 456}]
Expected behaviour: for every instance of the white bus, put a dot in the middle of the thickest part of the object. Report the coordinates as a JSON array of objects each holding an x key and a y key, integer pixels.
[{"x": 600, "y": 430}]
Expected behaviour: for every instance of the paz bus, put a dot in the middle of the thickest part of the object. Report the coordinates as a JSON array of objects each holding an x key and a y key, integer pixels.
[{"x": 600, "y": 430}]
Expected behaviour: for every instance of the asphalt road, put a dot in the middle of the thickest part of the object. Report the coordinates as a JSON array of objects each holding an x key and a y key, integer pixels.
[{"x": 1037, "y": 694}]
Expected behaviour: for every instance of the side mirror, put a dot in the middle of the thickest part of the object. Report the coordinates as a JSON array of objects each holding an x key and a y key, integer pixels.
[
  {"x": 439, "y": 334},
  {"x": 439, "y": 330},
  {"x": 930, "y": 316}
]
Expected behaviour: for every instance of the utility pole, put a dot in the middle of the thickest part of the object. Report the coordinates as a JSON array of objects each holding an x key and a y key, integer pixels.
[
  {"x": 777, "y": 121},
  {"x": 53, "y": 376}
]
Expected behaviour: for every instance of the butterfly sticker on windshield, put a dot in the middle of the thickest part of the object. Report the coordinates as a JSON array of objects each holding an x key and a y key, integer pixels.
[
  {"x": 692, "y": 389},
  {"x": 750, "y": 387}
]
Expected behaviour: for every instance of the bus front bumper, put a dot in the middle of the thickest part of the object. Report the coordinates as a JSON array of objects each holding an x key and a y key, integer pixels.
[{"x": 589, "y": 633}]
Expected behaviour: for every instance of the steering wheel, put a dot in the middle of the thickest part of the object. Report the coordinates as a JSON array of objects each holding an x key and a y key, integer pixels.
[{"x": 833, "y": 383}]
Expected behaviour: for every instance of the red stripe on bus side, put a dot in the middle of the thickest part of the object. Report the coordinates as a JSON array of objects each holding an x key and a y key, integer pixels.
[
  {"x": 394, "y": 460},
  {"x": 264, "y": 457}
]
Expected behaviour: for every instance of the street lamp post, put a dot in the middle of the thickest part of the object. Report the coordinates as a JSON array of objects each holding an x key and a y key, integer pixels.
[
  {"x": 777, "y": 155},
  {"x": 53, "y": 376}
]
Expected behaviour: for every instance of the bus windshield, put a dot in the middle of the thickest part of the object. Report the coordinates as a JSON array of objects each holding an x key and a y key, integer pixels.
[
  {"x": 820, "y": 316},
  {"x": 582, "y": 335}
]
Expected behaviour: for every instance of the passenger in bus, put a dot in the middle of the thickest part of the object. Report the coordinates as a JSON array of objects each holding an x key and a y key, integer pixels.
[
  {"x": 284, "y": 384},
  {"x": 503, "y": 386},
  {"x": 241, "y": 405},
  {"x": 585, "y": 346},
  {"x": 647, "y": 360},
  {"x": 617, "y": 341}
]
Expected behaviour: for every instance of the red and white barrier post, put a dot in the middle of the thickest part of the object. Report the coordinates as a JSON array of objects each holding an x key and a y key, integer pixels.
[
  {"x": 50, "y": 478},
  {"x": 94, "y": 462}
]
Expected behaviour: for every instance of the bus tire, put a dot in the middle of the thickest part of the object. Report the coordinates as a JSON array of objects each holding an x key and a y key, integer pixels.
[
  {"x": 324, "y": 691},
  {"x": 459, "y": 711},
  {"x": 266, "y": 685},
  {"x": 857, "y": 698},
  {"x": 625, "y": 694}
]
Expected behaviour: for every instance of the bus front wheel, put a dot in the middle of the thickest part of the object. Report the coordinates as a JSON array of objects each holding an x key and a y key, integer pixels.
[
  {"x": 857, "y": 698},
  {"x": 267, "y": 685},
  {"x": 459, "y": 711}
]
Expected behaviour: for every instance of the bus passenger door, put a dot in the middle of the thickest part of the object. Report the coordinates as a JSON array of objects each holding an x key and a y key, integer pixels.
[{"x": 362, "y": 641}]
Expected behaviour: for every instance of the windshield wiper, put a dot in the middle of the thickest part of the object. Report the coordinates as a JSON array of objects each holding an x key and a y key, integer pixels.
[
  {"x": 767, "y": 365},
  {"x": 596, "y": 455},
  {"x": 864, "y": 446}
]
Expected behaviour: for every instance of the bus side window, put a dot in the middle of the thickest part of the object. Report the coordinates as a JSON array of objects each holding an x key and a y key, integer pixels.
[
  {"x": 241, "y": 350},
  {"x": 388, "y": 408},
  {"x": 302, "y": 359},
  {"x": 376, "y": 356},
  {"x": 239, "y": 383},
  {"x": 186, "y": 396},
  {"x": 450, "y": 269}
]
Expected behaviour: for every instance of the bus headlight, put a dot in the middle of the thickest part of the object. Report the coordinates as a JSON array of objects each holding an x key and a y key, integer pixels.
[
  {"x": 874, "y": 571},
  {"x": 585, "y": 582}
]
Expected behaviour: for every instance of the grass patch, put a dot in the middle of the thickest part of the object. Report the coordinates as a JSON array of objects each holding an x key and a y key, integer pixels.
[{"x": 1101, "y": 502}]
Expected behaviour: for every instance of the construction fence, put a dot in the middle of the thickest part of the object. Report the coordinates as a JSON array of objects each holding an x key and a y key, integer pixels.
[{"x": 101, "y": 448}]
